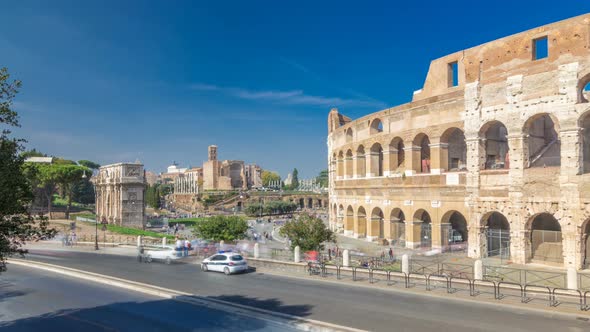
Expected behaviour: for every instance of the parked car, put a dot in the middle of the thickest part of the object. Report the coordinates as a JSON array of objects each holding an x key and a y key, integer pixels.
[
  {"x": 166, "y": 254},
  {"x": 226, "y": 262}
]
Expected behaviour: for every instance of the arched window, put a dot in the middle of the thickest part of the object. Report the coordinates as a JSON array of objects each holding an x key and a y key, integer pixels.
[
  {"x": 349, "y": 137},
  {"x": 396, "y": 153},
  {"x": 376, "y": 127},
  {"x": 376, "y": 160},
  {"x": 423, "y": 142},
  {"x": 376, "y": 226},
  {"x": 544, "y": 147},
  {"x": 496, "y": 142},
  {"x": 546, "y": 239},
  {"x": 456, "y": 149}
]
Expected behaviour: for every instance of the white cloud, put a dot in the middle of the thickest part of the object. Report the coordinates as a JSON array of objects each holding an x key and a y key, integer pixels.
[{"x": 292, "y": 97}]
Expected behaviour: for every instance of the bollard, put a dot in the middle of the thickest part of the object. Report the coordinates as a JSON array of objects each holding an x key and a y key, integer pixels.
[
  {"x": 163, "y": 242},
  {"x": 345, "y": 258},
  {"x": 572, "y": 278},
  {"x": 139, "y": 241},
  {"x": 297, "y": 255},
  {"x": 405, "y": 264},
  {"x": 478, "y": 270},
  {"x": 256, "y": 250}
]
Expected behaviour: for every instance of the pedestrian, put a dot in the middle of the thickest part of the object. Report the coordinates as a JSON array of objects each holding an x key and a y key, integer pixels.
[
  {"x": 186, "y": 244},
  {"x": 382, "y": 255},
  {"x": 390, "y": 253},
  {"x": 329, "y": 254}
]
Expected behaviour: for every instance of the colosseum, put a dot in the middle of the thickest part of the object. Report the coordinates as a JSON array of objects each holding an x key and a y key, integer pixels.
[{"x": 491, "y": 155}]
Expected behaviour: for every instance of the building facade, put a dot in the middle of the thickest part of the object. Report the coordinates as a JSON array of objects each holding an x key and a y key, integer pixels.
[
  {"x": 492, "y": 153},
  {"x": 120, "y": 190}
]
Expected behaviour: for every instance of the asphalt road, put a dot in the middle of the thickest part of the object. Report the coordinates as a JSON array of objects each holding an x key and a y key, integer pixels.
[
  {"x": 349, "y": 306},
  {"x": 37, "y": 300}
]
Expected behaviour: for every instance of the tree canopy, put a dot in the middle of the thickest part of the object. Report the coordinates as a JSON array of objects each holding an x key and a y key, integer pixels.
[
  {"x": 322, "y": 179},
  {"x": 307, "y": 232},
  {"x": 295, "y": 183},
  {"x": 268, "y": 177},
  {"x": 16, "y": 224},
  {"x": 226, "y": 228},
  {"x": 89, "y": 164}
]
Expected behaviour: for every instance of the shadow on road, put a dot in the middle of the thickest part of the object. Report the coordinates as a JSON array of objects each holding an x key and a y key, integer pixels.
[
  {"x": 158, "y": 315},
  {"x": 274, "y": 305}
]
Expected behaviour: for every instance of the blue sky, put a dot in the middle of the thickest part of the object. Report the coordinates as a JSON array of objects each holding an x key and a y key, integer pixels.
[{"x": 159, "y": 81}]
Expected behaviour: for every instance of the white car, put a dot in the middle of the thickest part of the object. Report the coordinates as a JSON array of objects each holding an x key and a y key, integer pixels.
[
  {"x": 226, "y": 262},
  {"x": 166, "y": 253}
]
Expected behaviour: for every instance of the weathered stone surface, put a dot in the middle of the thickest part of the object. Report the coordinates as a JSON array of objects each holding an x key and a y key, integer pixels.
[{"x": 524, "y": 151}]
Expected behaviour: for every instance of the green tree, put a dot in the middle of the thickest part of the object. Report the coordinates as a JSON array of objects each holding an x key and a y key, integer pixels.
[
  {"x": 322, "y": 179},
  {"x": 226, "y": 228},
  {"x": 89, "y": 164},
  {"x": 33, "y": 153},
  {"x": 68, "y": 176},
  {"x": 295, "y": 183},
  {"x": 307, "y": 232},
  {"x": 16, "y": 224},
  {"x": 45, "y": 178},
  {"x": 268, "y": 177}
]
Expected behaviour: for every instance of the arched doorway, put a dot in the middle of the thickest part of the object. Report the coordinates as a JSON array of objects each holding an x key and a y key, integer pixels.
[
  {"x": 361, "y": 223},
  {"x": 348, "y": 164},
  {"x": 454, "y": 231},
  {"x": 376, "y": 160},
  {"x": 546, "y": 239},
  {"x": 496, "y": 143},
  {"x": 319, "y": 203},
  {"x": 349, "y": 220},
  {"x": 456, "y": 149},
  {"x": 301, "y": 203},
  {"x": 310, "y": 203},
  {"x": 425, "y": 228},
  {"x": 544, "y": 147},
  {"x": 361, "y": 169},
  {"x": 396, "y": 154},
  {"x": 497, "y": 234},
  {"x": 423, "y": 142},
  {"x": 398, "y": 227},
  {"x": 376, "y": 226}
]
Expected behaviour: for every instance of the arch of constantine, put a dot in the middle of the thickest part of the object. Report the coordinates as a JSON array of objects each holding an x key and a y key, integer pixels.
[{"x": 493, "y": 153}]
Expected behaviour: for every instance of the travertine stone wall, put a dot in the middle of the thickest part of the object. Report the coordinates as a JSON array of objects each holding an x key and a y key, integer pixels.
[
  {"x": 524, "y": 149},
  {"x": 120, "y": 190}
]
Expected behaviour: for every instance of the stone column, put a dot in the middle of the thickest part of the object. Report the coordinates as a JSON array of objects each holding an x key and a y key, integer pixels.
[
  {"x": 373, "y": 228},
  {"x": 345, "y": 258},
  {"x": 297, "y": 254},
  {"x": 477, "y": 242},
  {"x": 372, "y": 164},
  {"x": 412, "y": 159},
  {"x": 413, "y": 232},
  {"x": 339, "y": 169},
  {"x": 440, "y": 235},
  {"x": 386, "y": 161},
  {"x": 392, "y": 160},
  {"x": 439, "y": 157}
]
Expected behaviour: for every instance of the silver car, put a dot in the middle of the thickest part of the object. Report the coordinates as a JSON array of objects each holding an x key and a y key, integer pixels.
[{"x": 226, "y": 262}]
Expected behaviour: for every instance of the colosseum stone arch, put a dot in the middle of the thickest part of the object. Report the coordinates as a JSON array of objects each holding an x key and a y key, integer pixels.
[{"x": 483, "y": 158}]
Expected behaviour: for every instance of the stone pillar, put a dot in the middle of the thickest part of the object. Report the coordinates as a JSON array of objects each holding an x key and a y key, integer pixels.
[
  {"x": 413, "y": 234},
  {"x": 439, "y": 157},
  {"x": 256, "y": 250},
  {"x": 221, "y": 245},
  {"x": 297, "y": 254},
  {"x": 476, "y": 242},
  {"x": 440, "y": 235},
  {"x": 412, "y": 159},
  {"x": 372, "y": 164},
  {"x": 139, "y": 241},
  {"x": 405, "y": 264},
  {"x": 392, "y": 160},
  {"x": 572, "y": 278},
  {"x": 478, "y": 270},
  {"x": 345, "y": 258},
  {"x": 386, "y": 160},
  {"x": 164, "y": 240},
  {"x": 373, "y": 228},
  {"x": 339, "y": 169}
]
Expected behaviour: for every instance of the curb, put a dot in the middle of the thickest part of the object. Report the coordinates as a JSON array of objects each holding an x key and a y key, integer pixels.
[{"x": 292, "y": 321}]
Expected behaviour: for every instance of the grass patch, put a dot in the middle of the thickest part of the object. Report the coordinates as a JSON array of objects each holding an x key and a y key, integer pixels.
[
  {"x": 134, "y": 231},
  {"x": 186, "y": 221}
]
